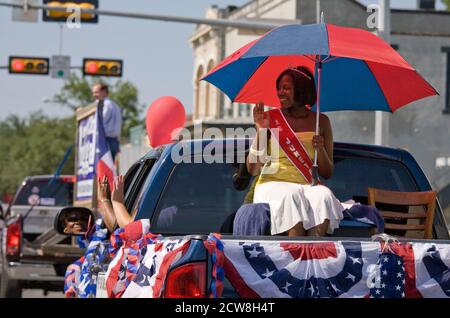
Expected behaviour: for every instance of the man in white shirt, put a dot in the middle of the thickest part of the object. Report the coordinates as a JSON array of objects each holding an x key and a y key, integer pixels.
[{"x": 112, "y": 117}]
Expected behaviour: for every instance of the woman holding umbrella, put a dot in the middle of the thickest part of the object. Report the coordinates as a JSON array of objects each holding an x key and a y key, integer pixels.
[
  {"x": 356, "y": 70},
  {"x": 297, "y": 208}
]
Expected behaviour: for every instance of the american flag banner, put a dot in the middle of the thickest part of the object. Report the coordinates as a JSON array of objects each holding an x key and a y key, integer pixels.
[
  {"x": 104, "y": 164},
  {"x": 314, "y": 269},
  {"x": 299, "y": 270},
  {"x": 140, "y": 261},
  {"x": 389, "y": 281}
]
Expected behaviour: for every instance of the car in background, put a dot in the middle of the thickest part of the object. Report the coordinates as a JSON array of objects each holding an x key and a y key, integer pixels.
[{"x": 33, "y": 254}]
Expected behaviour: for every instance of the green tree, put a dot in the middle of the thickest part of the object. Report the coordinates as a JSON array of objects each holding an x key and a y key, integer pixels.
[
  {"x": 76, "y": 92},
  {"x": 446, "y": 3},
  {"x": 33, "y": 146}
]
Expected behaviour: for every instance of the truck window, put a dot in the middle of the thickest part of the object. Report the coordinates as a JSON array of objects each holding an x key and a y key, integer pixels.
[
  {"x": 57, "y": 193},
  {"x": 352, "y": 177},
  {"x": 197, "y": 199},
  {"x": 136, "y": 186}
]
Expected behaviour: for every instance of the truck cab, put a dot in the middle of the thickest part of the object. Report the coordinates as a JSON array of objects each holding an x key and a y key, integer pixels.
[{"x": 203, "y": 195}]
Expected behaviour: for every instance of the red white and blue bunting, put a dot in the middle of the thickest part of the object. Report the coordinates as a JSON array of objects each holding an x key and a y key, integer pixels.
[{"x": 274, "y": 269}]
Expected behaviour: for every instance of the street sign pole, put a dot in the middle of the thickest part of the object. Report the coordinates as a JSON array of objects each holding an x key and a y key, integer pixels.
[{"x": 384, "y": 32}]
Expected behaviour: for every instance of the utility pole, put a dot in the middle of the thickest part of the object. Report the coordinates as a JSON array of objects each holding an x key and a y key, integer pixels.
[
  {"x": 384, "y": 32},
  {"x": 318, "y": 12}
]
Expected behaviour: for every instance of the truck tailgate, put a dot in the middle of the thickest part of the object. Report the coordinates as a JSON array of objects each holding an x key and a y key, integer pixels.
[{"x": 39, "y": 220}]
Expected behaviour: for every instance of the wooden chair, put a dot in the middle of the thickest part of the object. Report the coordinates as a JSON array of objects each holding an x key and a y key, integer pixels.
[{"x": 408, "y": 199}]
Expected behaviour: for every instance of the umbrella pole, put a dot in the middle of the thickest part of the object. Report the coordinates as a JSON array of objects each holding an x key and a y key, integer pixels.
[{"x": 315, "y": 168}]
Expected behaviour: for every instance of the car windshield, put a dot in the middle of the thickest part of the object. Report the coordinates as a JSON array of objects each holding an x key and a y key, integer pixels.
[
  {"x": 44, "y": 193},
  {"x": 199, "y": 198}
]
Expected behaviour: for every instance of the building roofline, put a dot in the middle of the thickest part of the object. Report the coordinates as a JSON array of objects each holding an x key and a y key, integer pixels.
[
  {"x": 398, "y": 10},
  {"x": 359, "y": 4},
  {"x": 413, "y": 11},
  {"x": 363, "y": 6}
]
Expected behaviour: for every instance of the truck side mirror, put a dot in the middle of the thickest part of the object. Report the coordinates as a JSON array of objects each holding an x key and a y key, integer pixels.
[{"x": 74, "y": 221}]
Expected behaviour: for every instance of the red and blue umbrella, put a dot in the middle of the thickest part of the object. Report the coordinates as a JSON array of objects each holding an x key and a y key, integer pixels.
[
  {"x": 355, "y": 69},
  {"x": 360, "y": 71}
]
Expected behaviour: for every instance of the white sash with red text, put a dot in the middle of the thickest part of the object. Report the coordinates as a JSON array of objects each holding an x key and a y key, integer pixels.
[{"x": 288, "y": 141}]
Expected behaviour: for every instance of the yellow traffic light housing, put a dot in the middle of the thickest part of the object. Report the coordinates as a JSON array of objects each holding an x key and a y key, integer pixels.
[
  {"x": 28, "y": 65},
  {"x": 62, "y": 16},
  {"x": 102, "y": 67}
]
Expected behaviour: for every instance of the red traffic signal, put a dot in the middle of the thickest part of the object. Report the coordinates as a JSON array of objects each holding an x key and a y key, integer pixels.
[
  {"x": 62, "y": 16},
  {"x": 28, "y": 65},
  {"x": 102, "y": 67}
]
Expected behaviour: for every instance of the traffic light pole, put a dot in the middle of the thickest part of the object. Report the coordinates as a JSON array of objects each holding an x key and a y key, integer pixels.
[{"x": 167, "y": 18}]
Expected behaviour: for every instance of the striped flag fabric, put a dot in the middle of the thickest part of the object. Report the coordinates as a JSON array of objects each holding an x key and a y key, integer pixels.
[
  {"x": 270, "y": 269},
  {"x": 104, "y": 164},
  {"x": 140, "y": 261},
  {"x": 282, "y": 269}
]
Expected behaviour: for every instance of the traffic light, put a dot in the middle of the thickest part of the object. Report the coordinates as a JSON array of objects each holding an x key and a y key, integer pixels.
[
  {"x": 28, "y": 65},
  {"x": 62, "y": 16},
  {"x": 102, "y": 67}
]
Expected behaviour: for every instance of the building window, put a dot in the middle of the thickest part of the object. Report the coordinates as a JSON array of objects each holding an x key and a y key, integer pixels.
[
  {"x": 241, "y": 110},
  {"x": 230, "y": 111},
  {"x": 446, "y": 110}
]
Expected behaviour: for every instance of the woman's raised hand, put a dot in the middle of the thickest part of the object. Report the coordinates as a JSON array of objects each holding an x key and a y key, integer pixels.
[
  {"x": 117, "y": 193},
  {"x": 261, "y": 119},
  {"x": 102, "y": 189},
  {"x": 318, "y": 142}
]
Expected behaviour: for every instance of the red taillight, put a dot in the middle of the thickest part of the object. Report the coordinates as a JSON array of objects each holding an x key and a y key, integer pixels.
[
  {"x": 13, "y": 233},
  {"x": 187, "y": 281},
  {"x": 69, "y": 179}
]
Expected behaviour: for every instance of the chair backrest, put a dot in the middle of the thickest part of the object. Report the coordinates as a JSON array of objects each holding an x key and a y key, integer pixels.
[{"x": 396, "y": 198}]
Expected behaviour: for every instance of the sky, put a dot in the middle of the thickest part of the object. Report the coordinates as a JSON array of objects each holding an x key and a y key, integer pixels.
[{"x": 157, "y": 56}]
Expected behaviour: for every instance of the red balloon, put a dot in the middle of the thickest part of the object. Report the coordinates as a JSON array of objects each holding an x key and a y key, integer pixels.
[{"x": 165, "y": 116}]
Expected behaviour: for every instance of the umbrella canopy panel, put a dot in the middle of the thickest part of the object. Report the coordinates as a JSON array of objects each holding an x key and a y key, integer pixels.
[{"x": 356, "y": 63}]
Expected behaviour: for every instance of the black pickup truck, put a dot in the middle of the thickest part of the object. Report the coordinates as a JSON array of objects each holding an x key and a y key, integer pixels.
[
  {"x": 33, "y": 254},
  {"x": 203, "y": 194}
]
